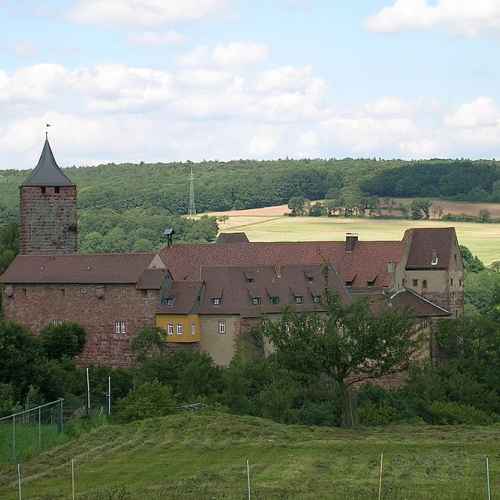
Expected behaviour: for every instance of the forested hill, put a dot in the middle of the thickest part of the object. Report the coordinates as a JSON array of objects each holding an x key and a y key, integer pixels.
[{"x": 134, "y": 201}]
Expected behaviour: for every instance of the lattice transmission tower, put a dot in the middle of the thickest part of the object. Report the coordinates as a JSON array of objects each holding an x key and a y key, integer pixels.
[{"x": 192, "y": 203}]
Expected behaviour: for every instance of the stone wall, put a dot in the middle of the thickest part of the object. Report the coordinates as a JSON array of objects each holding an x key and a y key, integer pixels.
[
  {"x": 94, "y": 307},
  {"x": 49, "y": 220}
]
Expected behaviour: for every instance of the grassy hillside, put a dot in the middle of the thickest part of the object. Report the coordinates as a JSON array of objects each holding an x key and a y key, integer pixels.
[{"x": 204, "y": 456}]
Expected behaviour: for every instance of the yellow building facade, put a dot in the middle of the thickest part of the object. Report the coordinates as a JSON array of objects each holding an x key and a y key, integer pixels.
[{"x": 180, "y": 328}]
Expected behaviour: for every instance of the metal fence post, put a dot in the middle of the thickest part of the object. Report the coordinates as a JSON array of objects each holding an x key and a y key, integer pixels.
[
  {"x": 19, "y": 482},
  {"x": 14, "y": 454},
  {"x": 488, "y": 485},
  {"x": 248, "y": 481},
  {"x": 380, "y": 476}
]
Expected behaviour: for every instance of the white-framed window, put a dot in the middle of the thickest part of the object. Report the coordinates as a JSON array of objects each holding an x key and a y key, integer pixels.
[
  {"x": 180, "y": 329},
  {"x": 120, "y": 327},
  {"x": 299, "y": 299},
  {"x": 216, "y": 301},
  {"x": 56, "y": 322},
  {"x": 222, "y": 327},
  {"x": 170, "y": 329},
  {"x": 193, "y": 328}
]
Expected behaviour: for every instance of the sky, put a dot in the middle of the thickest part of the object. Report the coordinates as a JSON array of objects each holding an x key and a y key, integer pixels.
[{"x": 165, "y": 80}]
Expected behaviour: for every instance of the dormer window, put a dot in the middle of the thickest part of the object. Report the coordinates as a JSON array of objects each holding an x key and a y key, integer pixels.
[
  {"x": 216, "y": 301},
  {"x": 275, "y": 300},
  {"x": 299, "y": 299},
  {"x": 249, "y": 277},
  {"x": 435, "y": 258},
  {"x": 256, "y": 301},
  {"x": 317, "y": 299},
  {"x": 168, "y": 301}
]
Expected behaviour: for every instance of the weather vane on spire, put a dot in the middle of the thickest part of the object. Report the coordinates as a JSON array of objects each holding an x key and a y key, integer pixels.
[{"x": 47, "y": 125}]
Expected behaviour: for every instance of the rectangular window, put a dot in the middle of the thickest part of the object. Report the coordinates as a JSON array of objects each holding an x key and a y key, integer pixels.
[
  {"x": 193, "y": 329},
  {"x": 256, "y": 301},
  {"x": 180, "y": 329},
  {"x": 120, "y": 327},
  {"x": 170, "y": 329},
  {"x": 56, "y": 190},
  {"x": 415, "y": 282},
  {"x": 167, "y": 301},
  {"x": 299, "y": 299},
  {"x": 424, "y": 284},
  {"x": 317, "y": 299},
  {"x": 222, "y": 327},
  {"x": 274, "y": 300},
  {"x": 216, "y": 301},
  {"x": 56, "y": 322},
  {"x": 451, "y": 281}
]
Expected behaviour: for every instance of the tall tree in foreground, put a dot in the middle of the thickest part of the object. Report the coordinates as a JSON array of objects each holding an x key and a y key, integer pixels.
[{"x": 347, "y": 345}]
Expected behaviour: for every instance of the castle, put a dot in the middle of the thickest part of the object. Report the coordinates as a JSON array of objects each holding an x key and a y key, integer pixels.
[{"x": 207, "y": 296}]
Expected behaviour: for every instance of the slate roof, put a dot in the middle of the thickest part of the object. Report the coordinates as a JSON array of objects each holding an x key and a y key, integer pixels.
[
  {"x": 367, "y": 262},
  {"x": 236, "y": 287},
  {"x": 185, "y": 295},
  {"x": 77, "y": 269},
  {"x": 427, "y": 243},
  {"x": 225, "y": 238},
  {"x": 417, "y": 304},
  {"x": 47, "y": 172}
]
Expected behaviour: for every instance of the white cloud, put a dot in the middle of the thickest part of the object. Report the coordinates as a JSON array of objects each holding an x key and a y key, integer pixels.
[
  {"x": 464, "y": 17},
  {"x": 143, "y": 12},
  {"x": 226, "y": 55},
  {"x": 482, "y": 112},
  {"x": 154, "y": 39},
  {"x": 123, "y": 113},
  {"x": 240, "y": 53},
  {"x": 25, "y": 49}
]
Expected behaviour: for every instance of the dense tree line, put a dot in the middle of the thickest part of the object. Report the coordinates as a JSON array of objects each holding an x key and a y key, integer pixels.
[{"x": 456, "y": 180}]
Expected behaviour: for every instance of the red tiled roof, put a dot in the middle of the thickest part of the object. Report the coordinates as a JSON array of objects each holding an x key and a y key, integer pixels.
[
  {"x": 77, "y": 269},
  {"x": 151, "y": 279},
  {"x": 425, "y": 244},
  {"x": 368, "y": 258}
]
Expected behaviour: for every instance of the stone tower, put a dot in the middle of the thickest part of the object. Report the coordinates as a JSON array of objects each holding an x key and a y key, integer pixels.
[{"x": 48, "y": 209}]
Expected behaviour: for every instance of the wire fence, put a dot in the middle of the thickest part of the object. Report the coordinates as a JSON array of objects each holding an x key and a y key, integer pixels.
[{"x": 27, "y": 432}]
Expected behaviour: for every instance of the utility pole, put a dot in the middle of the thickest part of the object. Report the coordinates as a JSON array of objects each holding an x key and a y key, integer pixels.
[{"x": 192, "y": 204}]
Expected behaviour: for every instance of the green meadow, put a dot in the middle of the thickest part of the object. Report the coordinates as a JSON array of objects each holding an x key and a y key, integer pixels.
[{"x": 203, "y": 456}]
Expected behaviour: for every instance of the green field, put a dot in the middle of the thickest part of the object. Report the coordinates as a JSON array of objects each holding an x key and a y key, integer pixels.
[
  {"x": 204, "y": 457},
  {"x": 482, "y": 239}
]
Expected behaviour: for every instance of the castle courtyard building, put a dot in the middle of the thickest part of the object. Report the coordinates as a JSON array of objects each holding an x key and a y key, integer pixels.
[{"x": 208, "y": 296}]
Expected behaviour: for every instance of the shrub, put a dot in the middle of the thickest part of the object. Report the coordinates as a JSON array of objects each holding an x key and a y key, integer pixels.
[
  {"x": 151, "y": 399},
  {"x": 449, "y": 413},
  {"x": 147, "y": 343},
  {"x": 192, "y": 375},
  {"x": 377, "y": 414},
  {"x": 60, "y": 341}
]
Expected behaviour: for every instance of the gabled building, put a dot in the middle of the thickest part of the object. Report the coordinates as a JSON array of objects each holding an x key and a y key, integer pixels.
[{"x": 206, "y": 296}]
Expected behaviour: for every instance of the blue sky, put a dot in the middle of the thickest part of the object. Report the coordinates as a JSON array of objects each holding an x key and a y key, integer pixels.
[{"x": 162, "y": 80}]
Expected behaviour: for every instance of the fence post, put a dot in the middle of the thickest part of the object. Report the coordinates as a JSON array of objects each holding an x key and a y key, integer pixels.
[
  {"x": 73, "y": 479},
  {"x": 88, "y": 393},
  {"x": 61, "y": 416},
  {"x": 248, "y": 481},
  {"x": 40, "y": 428},
  {"x": 19, "y": 482},
  {"x": 14, "y": 454},
  {"x": 109, "y": 396},
  {"x": 380, "y": 476},
  {"x": 488, "y": 485}
]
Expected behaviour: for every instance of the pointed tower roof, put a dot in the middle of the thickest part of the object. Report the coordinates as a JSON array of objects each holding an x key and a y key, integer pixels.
[{"x": 47, "y": 172}]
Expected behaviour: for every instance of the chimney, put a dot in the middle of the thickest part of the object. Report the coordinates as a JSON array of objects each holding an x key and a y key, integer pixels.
[{"x": 350, "y": 241}]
